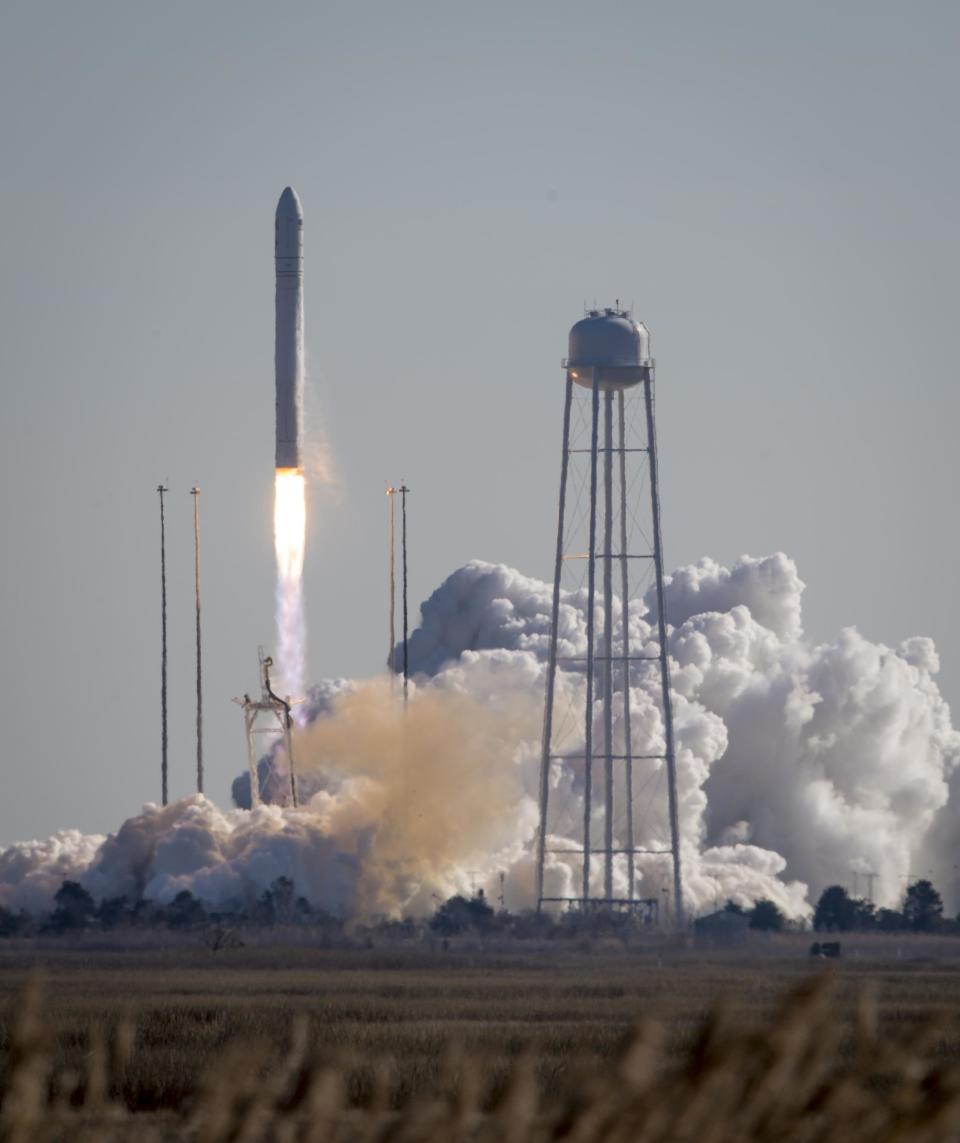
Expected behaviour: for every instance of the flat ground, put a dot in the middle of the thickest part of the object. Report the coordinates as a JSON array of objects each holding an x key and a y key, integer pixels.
[{"x": 401, "y": 1012}]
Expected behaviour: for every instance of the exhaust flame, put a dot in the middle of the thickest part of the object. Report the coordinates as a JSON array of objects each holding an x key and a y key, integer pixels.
[{"x": 289, "y": 537}]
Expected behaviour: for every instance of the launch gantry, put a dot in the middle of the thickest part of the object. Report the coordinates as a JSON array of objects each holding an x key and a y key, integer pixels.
[{"x": 280, "y": 718}]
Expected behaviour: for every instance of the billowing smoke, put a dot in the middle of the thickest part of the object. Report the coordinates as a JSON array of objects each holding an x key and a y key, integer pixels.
[
  {"x": 797, "y": 765},
  {"x": 432, "y": 790},
  {"x": 32, "y": 871}
]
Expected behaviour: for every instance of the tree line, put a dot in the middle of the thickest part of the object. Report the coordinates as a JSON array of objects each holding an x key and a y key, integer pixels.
[
  {"x": 921, "y": 911},
  {"x": 75, "y": 910}
]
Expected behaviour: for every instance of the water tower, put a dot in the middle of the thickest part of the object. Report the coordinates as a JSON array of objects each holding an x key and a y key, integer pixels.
[{"x": 609, "y": 546}]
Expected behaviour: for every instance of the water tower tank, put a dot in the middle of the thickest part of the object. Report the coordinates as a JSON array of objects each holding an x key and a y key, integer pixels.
[{"x": 611, "y": 346}]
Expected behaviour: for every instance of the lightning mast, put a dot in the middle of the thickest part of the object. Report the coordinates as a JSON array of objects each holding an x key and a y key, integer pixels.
[
  {"x": 195, "y": 493},
  {"x": 161, "y": 489},
  {"x": 392, "y": 581},
  {"x": 403, "y": 490}
]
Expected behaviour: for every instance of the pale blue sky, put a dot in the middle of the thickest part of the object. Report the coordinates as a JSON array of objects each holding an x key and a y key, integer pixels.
[{"x": 773, "y": 185}]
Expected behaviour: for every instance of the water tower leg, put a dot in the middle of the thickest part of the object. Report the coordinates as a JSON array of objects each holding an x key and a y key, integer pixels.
[
  {"x": 591, "y": 607},
  {"x": 608, "y": 643},
  {"x": 664, "y": 658},
  {"x": 625, "y": 644},
  {"x": 552, "y": 660}
]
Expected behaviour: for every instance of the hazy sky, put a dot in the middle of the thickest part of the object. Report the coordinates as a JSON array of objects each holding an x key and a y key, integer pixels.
[{"x": 774, "y": 186}]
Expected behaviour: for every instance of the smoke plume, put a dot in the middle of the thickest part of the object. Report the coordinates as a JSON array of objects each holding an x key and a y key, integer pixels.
[{"x": 798, "y": 765}]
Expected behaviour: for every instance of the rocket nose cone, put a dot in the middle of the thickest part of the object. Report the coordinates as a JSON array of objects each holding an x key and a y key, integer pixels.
[
  {"x": 288, "y": 230},
  {"x": 289, "y": 205}
]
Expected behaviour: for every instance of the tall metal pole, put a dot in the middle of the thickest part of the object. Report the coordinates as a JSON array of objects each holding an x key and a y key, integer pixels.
[
  {"x": 195, "y": 493},
  {"x": 664, "y": 659},
  {"x": 552, "y": 660},
  {"x": 608, "y": 643},
  {"x": 288, "y": 746},
  {"x": 249, "y": 715},
  {"x": 161, "y": 488},
  {"x": 591, "y": 603},
  {"x": 403, "y": 530},
  {"x": 392, "y": 559},
  {"x": 286, "y": 721},
  {"x": 625, "y": 641}
]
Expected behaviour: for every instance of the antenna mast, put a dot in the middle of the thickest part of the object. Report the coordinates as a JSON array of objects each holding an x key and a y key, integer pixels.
[
  {"x": 195, "y": 493},
  {"x": 392, "y": 576},
  {"x": 403, "y": 529},
  {"x": 162, "y": 488}
]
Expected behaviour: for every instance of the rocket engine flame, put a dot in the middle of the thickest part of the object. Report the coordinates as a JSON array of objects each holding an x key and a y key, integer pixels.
[{"x": 289, "y": 537}]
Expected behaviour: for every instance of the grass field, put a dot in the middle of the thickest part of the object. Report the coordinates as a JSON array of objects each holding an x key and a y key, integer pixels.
[{"x": 399, "y": 1022}]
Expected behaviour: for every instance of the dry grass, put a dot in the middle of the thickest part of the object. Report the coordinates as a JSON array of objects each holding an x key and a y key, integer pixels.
[{"x": 303, "y": 1045}]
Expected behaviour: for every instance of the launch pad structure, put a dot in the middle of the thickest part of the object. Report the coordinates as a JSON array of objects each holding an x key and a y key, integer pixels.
[
  {"x": 609, "y": 356},
  {"x": 279, "y": 717}
]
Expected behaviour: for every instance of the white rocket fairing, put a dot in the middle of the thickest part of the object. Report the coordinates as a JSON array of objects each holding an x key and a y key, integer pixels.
[{"x": 288, "y": 358}]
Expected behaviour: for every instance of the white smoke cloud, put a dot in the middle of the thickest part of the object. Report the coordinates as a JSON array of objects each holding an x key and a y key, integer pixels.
[
  {"x": 770, "y": 588},
  {"x": 796, "y": 765},
  {"x": 32, "y": 871}
]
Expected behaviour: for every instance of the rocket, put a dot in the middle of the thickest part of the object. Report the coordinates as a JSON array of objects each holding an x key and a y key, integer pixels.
[{"x": 288, "y": 355}]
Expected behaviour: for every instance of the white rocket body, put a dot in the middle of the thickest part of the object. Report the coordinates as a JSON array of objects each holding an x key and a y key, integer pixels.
[{"x": 288, "y": 357}]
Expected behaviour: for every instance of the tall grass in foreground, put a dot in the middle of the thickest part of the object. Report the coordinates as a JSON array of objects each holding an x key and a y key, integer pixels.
[{"x": 787, "y": 1081}]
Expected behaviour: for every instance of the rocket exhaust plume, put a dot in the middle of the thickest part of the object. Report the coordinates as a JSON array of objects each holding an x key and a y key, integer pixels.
[
  {"x": 289, "y": 514},
  {"x": 289, "y": 533}
]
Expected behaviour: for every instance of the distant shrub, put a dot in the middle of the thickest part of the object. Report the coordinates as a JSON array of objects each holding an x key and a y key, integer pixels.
[
  {"x": 14, "y": 924},
  {"x": 462, "y": 914},
  {"x": 185, "y": 911},
  {"x": 835, "y": 911},
  {"x": 114, "y": 912},
  {"x": 922, "y": 907},
  {"x": 219, "y": 937},
  {"x": 766, "y": 917},
  {"x": 75, "y": 908},
  {"x": 890, "y": 921}
]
